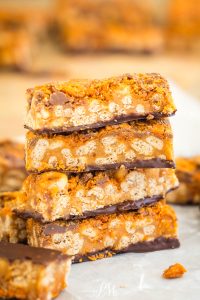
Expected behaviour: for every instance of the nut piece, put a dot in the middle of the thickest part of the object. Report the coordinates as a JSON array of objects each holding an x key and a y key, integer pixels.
[{"x": 174, "y": 271}]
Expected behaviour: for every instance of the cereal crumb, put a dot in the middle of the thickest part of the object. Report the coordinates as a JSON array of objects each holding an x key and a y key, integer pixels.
[
  {"x": 174, "y": 271},
  {"x": 96, "y": 256}
]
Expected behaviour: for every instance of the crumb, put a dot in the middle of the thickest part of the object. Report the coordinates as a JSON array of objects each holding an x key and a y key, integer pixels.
[{"x": 174, "y": 271}]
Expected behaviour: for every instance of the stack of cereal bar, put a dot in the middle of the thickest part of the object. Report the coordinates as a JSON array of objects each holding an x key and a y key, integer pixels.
[{"x": 100, "y": 158}]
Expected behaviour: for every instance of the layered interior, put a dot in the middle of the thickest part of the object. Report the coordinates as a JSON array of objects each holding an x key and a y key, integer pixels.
[
  {"x": 53, "y": 195},
  {"x": 137, "y": 144}
]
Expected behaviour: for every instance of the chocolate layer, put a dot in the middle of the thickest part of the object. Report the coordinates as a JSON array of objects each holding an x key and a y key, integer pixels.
[
  {"x": 115, "y": 121},
  {"x": 106, "y": 210},
  {"x": 160, "y": 243},
  {"x": 139, "y": 164},
  {"x": 42, "y": 256},
  {"x": 119, "y": 208}
]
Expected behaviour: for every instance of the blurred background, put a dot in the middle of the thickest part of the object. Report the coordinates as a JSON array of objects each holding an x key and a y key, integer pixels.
[{"x": 47, "y": 40}]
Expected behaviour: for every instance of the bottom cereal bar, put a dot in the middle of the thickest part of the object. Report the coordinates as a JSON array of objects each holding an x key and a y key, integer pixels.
[
  {"x": 12, "y": 228},
  {"x": 188, "y": 173},
  {"x": 149, "y": 229},
  {"x": 32, "y": 273}
]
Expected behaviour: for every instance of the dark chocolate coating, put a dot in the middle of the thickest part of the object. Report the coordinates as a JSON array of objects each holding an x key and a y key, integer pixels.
[
  {"x": 106, "y": 210},
  {"x": 119, "y": 207},
  {"x": 22, "y": 252},
  {"x": 137, "y": 164},
  {"x": 160, "y": 243}
]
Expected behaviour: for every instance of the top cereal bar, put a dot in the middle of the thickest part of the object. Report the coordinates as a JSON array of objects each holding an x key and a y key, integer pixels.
[{"x": 82, "y": 104}]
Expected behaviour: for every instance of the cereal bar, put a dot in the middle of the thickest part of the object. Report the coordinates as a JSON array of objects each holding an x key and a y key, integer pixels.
[
  {"x": 82, "y": 104},
  {"x": 137, "y": 144},
  {"x": 53, "y": 195},
  {"x": 151, "y": 228}
]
